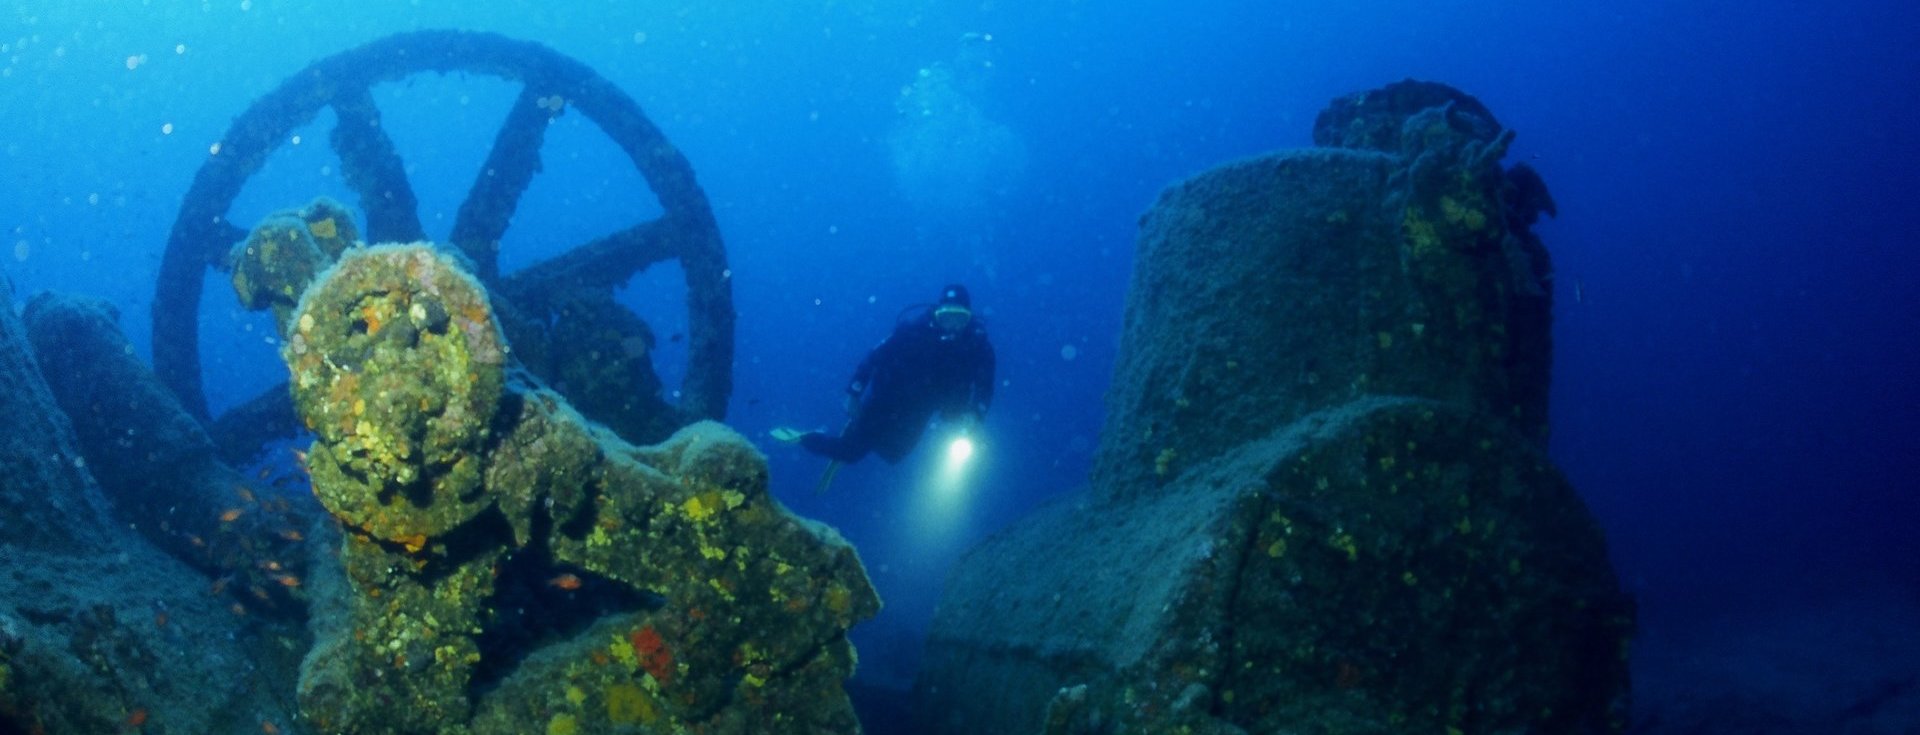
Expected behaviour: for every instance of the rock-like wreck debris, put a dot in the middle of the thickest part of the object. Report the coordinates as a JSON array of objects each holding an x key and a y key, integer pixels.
[
  {"x": 1321, "y": 502},
  {"x": 98, "y": 627}
]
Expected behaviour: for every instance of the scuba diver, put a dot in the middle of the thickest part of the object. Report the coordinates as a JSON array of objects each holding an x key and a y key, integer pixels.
[{"x": 937, "y": 360}]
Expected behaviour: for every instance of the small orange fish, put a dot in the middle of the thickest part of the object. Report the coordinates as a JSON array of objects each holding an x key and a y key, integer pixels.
[
  {"x": 137, "y": 717},
  {"x": 237, "y": 609},
  {"x": 287, "y": 580},
  {"x": 269, "y": 728},
  {"x": 292, "y": 535},
  {"x": 259, "y": 593},
  {"x": 232, "y": 514},
  {"x": 414, "y": 543},
  {"x": 160, "y": 620},
  {"x": 219, "y": 585},
  {"x": 565, "y": 581},
  {"x": 268, "y": 564},
  {"x": 246, "y": 496},
  {"x": 198, "y": 543}
]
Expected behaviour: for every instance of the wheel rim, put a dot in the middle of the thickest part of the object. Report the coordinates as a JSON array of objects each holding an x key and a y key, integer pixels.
[{"x": 550, "y": 83}]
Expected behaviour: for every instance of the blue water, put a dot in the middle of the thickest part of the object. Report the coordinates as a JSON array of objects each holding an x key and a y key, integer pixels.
[{"x": 1736, "y": 330}]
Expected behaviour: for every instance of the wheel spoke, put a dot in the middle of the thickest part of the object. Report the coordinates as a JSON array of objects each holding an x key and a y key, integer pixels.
[
  {"x": 496, "y": 191},
  {"x": 603, "y": 263},
  {"x": 374, "y": 171}
]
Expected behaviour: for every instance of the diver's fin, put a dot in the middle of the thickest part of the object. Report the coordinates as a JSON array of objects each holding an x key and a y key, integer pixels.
[{"x": 826, "y": 478}]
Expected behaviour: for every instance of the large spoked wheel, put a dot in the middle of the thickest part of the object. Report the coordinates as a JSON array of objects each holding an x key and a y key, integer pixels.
[{"x": 550, "y": 83}]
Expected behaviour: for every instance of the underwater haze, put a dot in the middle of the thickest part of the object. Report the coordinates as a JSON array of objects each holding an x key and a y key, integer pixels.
[{"x": 1734, "y": 261}]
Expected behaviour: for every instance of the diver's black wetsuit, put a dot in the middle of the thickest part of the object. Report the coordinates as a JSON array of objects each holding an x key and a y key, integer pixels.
[{"x": 918, "y": 370}]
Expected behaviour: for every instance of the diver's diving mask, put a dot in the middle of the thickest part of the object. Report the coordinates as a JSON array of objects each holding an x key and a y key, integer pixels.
[{"x": 952, "y": 317}]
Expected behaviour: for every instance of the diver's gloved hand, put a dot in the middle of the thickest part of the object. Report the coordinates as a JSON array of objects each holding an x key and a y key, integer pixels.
[{"x": 786, "y": 434}]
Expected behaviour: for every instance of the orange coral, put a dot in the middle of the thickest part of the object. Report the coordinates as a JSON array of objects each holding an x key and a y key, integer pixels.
[
  {"x": 371, "y": 316},
  {"x": 653, "y": 653}
]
